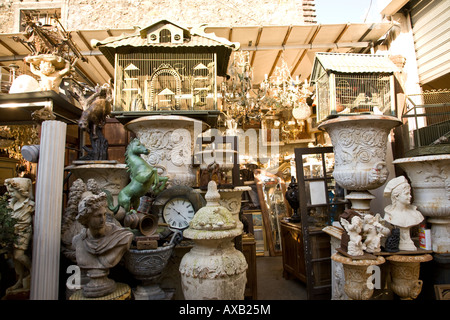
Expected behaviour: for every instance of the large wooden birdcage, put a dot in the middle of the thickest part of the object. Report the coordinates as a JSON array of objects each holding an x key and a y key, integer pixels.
[
  {"x": 166, "y": 68},
  {"x": 349, "y": 83}
]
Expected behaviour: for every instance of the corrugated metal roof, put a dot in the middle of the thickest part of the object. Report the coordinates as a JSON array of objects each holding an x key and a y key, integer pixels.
[
  {"x": 352, "y": 63},
  {"x": 135, "y": 40}
]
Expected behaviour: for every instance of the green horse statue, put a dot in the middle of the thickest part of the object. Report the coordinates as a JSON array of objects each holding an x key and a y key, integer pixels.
[{"x": 144, "y": 179}]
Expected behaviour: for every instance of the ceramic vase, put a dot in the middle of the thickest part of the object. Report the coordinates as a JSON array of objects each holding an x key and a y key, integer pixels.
[
  {"x": 147, "y": 266},
  {"x": 405, "y": 272},
  {"x": 360, "y": 145},
  {"x": 170, "y": 140},
  {"x": 213, "y": 269},
  {"x": 357, "y": 273},
  {"x": 430, "y": 184}
]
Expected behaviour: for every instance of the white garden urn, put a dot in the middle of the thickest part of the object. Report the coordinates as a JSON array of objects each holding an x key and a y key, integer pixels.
[
  {"x": 213, "y": 269},
  {"x": 360, "y": 145},
  {"x": 170, "y": 140},
  {"x": 430, "y": 183}
]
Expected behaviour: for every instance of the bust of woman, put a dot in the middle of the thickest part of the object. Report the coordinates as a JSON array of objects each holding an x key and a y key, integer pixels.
[
  {"x": 100, "y": 245},
  {"x": 401, "y": 212}
]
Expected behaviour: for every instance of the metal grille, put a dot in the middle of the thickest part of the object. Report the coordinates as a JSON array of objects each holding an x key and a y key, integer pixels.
[
  {"x": 354, "y": 94},
  {"x": 165, "y": 81},
  {"x": 427, "y": 118},
  {"x": 359, "y": 93}
]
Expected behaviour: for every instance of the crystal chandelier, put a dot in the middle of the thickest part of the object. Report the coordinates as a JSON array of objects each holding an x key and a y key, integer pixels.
[{"x": 279, "y": 93}]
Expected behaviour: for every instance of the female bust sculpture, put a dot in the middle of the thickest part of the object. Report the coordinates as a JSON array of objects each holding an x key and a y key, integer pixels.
[
  {"x": 22, "y": 205},
  {"x": 400, "y": 212},
  {"x": 100, "y": 245}
]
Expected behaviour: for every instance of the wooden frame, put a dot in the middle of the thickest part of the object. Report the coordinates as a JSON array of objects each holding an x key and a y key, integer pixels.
[{"x": 263, "y": 186}]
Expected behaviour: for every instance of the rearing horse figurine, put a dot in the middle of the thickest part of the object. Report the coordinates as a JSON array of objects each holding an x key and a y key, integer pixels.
[{"x": 144, "y": 179}]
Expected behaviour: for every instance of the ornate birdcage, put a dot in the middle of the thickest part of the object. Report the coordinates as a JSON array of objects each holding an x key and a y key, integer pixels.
[
  {"x": 349, "y": 83},
  {"x": 166, "y": 68}
]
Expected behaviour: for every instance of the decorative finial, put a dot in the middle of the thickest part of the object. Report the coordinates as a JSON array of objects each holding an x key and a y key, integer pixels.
[{"x": 212, "y": 196}]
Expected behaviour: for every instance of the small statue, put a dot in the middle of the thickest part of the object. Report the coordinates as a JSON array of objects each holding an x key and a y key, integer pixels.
[
  {"x": 22, "y": 205},
  {"x": 392, "y": 241},
  {"x": 96, "y": 109},
  {"x": 355, "y": 246},
  {"x": 400, "y": 212},
  {"x": 51, "y": 69},
  {"x": 144, "y": 179},
  {"x": 373, "y": 231},
  {"x": 99, "y": 246},
  {"x": 292, "y": 197}
]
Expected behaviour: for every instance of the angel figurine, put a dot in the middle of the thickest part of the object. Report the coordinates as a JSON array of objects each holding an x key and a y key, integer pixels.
[{"x": 355, "y": 245}]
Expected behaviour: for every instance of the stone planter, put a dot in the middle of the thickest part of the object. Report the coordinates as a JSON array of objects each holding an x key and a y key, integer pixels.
[
  {"x": 360, "y": 144},
  {"x": 109, "y": 175},
  {"x": 430, "y": 183},
  {"x": 405, "y": 275},
  {"x": 213, "y": 269},
  {"x": 357, "y": 276},
  {"x": 147, "y": 266},
  {"x": 170, "y": 140}
]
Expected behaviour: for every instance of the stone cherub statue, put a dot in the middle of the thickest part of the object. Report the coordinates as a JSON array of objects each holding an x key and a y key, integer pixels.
[
  {"x": 373, "y": 231},
  {"x": 99, "y": 246},
  {"x": 355, "y": 246},
  {"x": 400, "y": 212},
  {"x": 51, "y": 69},
  {"x": 22, "y": 205}
]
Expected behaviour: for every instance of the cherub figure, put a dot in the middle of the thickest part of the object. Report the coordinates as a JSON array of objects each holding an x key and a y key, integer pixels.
[
  {"x": 50, "y": 75},
  {"x": 354, "y": 228},
  {"x": 373, "y": 231}
]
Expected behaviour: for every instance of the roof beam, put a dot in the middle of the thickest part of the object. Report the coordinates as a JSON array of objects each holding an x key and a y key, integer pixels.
[
  {"x": 258, "y": 38},
  {"x": 340, "y": 35},
  {"x": 280, "y": 52},
  {"x": 87, "y": 44},
  {"x": 310, "y": 42}
]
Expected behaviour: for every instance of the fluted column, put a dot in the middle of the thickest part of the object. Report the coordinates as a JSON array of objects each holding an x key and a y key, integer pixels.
[{"x": 48, "y": 208}]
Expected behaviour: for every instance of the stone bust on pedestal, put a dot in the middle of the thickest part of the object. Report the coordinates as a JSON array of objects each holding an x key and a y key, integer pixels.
[
  {"x": 401, "y": 212},
  {"x": 99, "y": 246}
]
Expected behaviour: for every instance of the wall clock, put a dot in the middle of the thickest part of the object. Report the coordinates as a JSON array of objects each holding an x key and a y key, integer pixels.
[{"x": 177, "y": 205}]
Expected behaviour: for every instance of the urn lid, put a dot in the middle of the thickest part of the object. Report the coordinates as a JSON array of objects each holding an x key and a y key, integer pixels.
[{"x": 214, "y": 220}]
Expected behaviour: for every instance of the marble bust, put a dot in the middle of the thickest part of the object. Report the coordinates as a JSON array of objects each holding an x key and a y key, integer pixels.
[
  {"x": 99, "y": 246},
  {"x": 401, "y": 212},
  {"x": 22, "y": 206}
]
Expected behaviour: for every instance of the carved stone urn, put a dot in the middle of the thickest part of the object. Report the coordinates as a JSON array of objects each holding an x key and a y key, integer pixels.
[
  {"x": 109, "y": 175},
  {"x": 405, "y": 270},
  {"x": 360, "y": 145},
  {"x": 213, "y": 269},
  {"x": 430, "y": 183},
  {"x": 357, "y": 273},
  {"x": 170, "y": 139},
  {"x": 147, "y": 266}
]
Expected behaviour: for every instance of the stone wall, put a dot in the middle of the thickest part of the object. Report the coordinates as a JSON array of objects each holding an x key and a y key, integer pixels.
[{"x": 101, "y": 14}]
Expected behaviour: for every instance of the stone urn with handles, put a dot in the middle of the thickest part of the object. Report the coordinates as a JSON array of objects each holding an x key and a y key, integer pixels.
[{"x": 360, "y": 145}]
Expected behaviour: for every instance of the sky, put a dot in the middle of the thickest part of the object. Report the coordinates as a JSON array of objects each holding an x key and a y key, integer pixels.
[{"x": 349, "y": 11}]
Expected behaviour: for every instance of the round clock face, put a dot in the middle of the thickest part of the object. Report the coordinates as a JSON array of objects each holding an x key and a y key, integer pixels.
[{"x": 178, "y": 212}]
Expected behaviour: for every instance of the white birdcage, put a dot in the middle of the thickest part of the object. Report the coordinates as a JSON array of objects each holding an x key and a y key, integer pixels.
[
  {"x": 166, "y": 68},
  {"x": 349, "y": 83}
]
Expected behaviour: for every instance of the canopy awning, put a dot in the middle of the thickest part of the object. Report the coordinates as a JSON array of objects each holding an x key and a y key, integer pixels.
[{"x": 296, "y": 44}]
